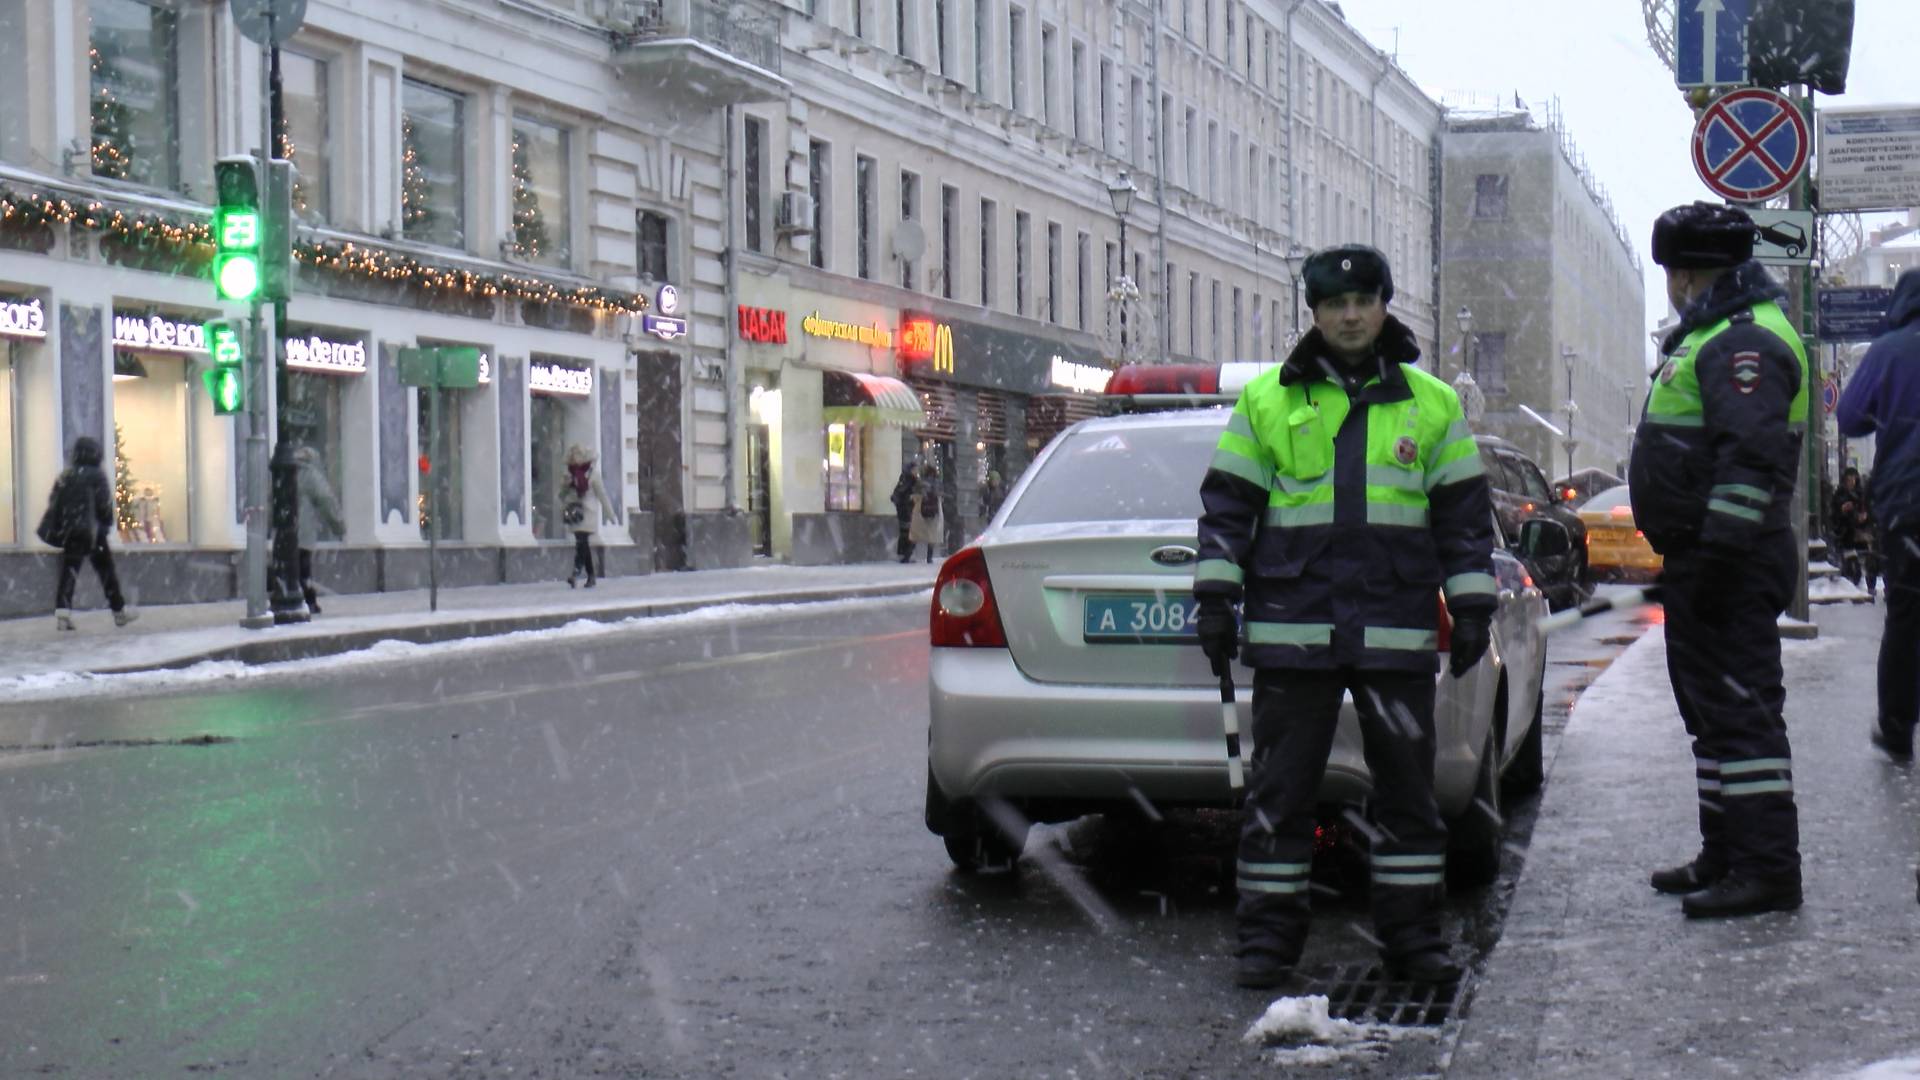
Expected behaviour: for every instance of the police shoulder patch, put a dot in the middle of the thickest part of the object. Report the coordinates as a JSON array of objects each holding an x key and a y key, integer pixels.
[
  {"x": 1746, "y": 371},
  {"x": 1405, "y": 450}
]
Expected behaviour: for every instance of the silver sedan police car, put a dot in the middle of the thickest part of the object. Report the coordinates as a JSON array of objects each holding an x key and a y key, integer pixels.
[{"x": 1066, "y": 677}]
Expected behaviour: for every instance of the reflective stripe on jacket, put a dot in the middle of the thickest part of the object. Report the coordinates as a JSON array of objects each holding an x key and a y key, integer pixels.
[
  {"x": 1341, "y": 521},
  {"x": 1718, "y": 447}
]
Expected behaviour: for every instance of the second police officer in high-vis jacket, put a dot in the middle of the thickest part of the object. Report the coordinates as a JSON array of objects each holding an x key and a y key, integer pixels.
[
  {"x": 1712, "y": 476},
  {"x": 1346, "y": 493}
]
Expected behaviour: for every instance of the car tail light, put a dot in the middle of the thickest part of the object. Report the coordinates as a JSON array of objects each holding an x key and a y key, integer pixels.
[
  {"x": 964, "y": 614},
  {"x": 1165, "y": 379},
  {"x": 1446, "y": 625}
]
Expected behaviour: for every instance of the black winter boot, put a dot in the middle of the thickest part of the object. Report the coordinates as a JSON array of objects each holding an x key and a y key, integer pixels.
[
  {"x": 1261, "y": 968},
  {"x": 1733, "y": 896},
  {"x": 1694, "y": 876},
  {"x": 1426, "y": 966}
]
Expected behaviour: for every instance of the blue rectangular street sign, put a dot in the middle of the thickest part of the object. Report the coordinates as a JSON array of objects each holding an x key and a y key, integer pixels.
[
  {"x": 1856, "y": 313},
  {"x": 1710, "y": 42}
]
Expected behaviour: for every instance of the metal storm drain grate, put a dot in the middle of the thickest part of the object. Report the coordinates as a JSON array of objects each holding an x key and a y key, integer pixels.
[{"x": 1364, "y": 994}]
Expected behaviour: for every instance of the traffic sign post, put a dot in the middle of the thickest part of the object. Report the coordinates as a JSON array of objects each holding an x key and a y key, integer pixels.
[
  {"x": 1751, "y": 145},
  {"x": 436, "y": 370},
  {"x": 1710, "y": 42}
]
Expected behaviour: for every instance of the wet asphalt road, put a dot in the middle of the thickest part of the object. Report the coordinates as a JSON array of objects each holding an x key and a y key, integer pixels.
[{"x": 675, "y": 853}]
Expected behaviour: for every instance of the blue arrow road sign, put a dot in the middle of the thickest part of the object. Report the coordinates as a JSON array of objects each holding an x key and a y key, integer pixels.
[
  {"x": 1710, "y": 42},
  {"x": 1853, "y": 314}
]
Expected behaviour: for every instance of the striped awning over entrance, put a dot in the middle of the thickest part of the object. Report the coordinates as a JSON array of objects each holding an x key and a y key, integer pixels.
[{"x": 857, "y": 397}]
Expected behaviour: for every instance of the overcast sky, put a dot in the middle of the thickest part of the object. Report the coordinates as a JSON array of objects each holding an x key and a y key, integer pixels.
[{"x": 1618, "y": 99}]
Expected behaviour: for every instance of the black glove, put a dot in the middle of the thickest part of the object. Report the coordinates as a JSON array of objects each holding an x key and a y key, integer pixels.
[
  {"x": 1471, "y": 633},
  {"x": 1717, "y": 572},
  {"x": 1219, "y": 631}
]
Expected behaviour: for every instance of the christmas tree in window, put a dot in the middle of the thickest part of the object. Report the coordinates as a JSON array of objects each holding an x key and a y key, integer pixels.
[
  {"x": 530, "y": 238},
  {"x": 113, "y": 141},
  {"x": 125, "y": 512},
  {"x": 417, "y": 216}
]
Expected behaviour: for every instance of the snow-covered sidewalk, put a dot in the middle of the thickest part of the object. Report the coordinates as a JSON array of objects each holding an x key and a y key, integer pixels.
[
  {"x": 34, "y": 655},
  {"x": 1596, "y": 975}
]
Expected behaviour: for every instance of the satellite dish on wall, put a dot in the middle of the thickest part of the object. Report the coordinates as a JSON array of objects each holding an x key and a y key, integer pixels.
[{"x": 909, "y": 240}]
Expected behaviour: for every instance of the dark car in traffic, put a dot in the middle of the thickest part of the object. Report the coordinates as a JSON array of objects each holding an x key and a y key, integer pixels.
[{"x": 1521, "y": 494}]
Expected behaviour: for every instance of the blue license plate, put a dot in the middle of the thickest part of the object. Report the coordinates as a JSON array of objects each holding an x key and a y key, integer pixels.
[{"x": 1140, "y": 619}]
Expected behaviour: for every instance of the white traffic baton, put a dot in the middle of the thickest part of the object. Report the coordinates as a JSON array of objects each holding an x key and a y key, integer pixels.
[
  {"x": 1230, "y": 724},
  {"x": 1622, "y": 601}
]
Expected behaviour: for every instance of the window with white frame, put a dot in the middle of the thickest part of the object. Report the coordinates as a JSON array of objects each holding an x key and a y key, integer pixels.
[
  {"x": 753, "y": 183},
  {"x": 305, "y": 119},
  {"x": 820, "y": 188},
  {"x": 909, "y": 212},
  {"x": 1083, "y": 273},
  {"x": 989, "y": 221},
  {"x": 133, "y": 53},
  {"x": 1050, "y": 76},
  {"x": 949, "y": 223},
  {"x": 1022, "y": 258},
  {"x": 540, "y": 188},
  {"x": 655, "y": 239},
  {"x": 433, "y": 170},
  {"x": 1016, "y": 59},
  {"x": 864, "y": 205},
  {"x": 1077, "y": 74},
  {"x": 1053, "y": 272}
]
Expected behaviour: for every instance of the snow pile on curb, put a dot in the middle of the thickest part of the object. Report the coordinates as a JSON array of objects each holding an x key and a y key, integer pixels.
[
  {"x": 1303, "y": 1034},
  {"x": 71, "y": 684},
  {"x": 1834, "y": 590},
  {"x": 1895, "y": 1069}
]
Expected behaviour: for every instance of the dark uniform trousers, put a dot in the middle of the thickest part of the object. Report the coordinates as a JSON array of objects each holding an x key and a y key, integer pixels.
[
  {"x": 1295, "y": 715},
  {"x": 1723, "y": 658},
  {"x": 1899, "y": 672}
]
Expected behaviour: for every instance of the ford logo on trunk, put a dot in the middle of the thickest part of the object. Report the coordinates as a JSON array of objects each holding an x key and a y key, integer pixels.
[{"x": 1173, "y": 555}]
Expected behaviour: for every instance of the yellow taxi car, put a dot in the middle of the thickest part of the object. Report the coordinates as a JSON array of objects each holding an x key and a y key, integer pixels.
[{"x": 1616, "y": 550}]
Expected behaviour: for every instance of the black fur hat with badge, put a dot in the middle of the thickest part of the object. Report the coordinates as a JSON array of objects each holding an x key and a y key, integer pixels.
[
  {"x": 1336, "y": 271},
  {"x": 1703, "y": 236}
]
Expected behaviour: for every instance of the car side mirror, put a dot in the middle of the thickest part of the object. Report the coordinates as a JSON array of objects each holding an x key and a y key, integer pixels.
[{"x": 1543, "y": 539}]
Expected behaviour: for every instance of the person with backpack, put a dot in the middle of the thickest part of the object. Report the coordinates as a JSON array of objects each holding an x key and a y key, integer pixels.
[
  {"x": 79, "y": 516},
  {"x": 924, "y": 527},
  {"x": 581, "y": 481}
]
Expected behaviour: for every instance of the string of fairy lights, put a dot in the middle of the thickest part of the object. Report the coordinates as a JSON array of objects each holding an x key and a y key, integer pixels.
[{"x": 25, "y": 208}]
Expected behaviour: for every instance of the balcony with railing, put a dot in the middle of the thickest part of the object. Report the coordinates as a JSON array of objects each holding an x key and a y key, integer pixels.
[{"x": 698, "y": 52}]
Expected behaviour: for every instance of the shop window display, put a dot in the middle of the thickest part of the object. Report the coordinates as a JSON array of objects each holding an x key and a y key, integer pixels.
[
  {"x": 10, "y": 501},
  {"x": 151, "y": 448},
  {"x": 443, "y": 482},
  {"x": 844, "y": 467},
  {"x": 313, "y": 418},
  {"x": 548, "y": 439}
]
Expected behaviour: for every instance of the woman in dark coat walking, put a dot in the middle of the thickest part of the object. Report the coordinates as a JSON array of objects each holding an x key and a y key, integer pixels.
[{"x": 80, "y": 513}]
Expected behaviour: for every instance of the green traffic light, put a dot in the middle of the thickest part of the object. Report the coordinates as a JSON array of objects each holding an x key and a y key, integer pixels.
[
  {"x": 237, "y": 277},
  {"x": 225, "y": 389}
]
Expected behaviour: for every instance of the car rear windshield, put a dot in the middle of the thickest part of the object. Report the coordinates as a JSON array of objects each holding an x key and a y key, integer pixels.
[
  {"x": 1139, "y": 474},
  {"x": 1610, "y": 499}
]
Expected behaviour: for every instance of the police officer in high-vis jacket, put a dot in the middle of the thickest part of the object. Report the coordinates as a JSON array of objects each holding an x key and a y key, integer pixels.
[
  {"x": 1345, "y": 495},
  {"x": 1712, "y": 476}
]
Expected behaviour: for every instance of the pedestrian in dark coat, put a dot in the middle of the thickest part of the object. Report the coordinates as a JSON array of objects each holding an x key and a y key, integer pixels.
[
  {"x": 1712, "y": 476},
  {"x": 1850, "y": 531},
  {"x": 1345, "y": 494},
  {"x": 903, "y": 511},
  {"x": 79, "y": 518},
  {"x": 1883, "y": 400},
  {"x": 923, "y": 525}
]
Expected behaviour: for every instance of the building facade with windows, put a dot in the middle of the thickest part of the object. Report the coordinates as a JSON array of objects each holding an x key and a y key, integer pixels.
[
  {"x": 1018, "y": 195},
  {"x": 1547, "y": 293},
  {"x": 505, "y": 177}
]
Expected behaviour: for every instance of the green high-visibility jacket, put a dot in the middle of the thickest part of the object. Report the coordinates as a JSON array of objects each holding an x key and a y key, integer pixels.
[
  {"x": 1718, "y": 446},
  {"x": 1339, "y": 521}
]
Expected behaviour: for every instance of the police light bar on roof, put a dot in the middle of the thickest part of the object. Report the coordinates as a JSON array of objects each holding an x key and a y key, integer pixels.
[{"x": 1208, "y": 380}]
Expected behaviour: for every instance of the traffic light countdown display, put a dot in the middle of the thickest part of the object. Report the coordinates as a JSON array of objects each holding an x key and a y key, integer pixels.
[
  {"x": 226, "y": 385},
  {"x": 238, "y": 229}
]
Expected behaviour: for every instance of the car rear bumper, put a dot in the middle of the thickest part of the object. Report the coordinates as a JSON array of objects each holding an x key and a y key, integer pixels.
[{"x": 996, "y": 731}]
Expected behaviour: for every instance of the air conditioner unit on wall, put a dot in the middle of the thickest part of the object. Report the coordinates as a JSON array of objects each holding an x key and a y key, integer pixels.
[{"x": 796, "y": 212}]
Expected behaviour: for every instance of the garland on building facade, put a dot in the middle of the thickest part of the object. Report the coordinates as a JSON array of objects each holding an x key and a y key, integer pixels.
[{"x": 24, "y": 209}]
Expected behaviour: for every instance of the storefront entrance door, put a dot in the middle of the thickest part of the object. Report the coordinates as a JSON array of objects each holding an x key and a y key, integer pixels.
[
  {"x": 759, "y": 488},
  {"x": 656, "y": 391}
]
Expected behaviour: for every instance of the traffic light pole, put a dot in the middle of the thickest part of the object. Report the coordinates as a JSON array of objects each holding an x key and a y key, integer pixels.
[
  {"x": 259, "y": 413},
  {"x": 289, "y": 604}
]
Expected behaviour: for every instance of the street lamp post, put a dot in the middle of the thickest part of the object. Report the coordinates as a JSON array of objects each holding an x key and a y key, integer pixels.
[
  {"x": 1121, "y": 191},
  {"x": 1568, "y": 356},
  {"x": 1464, "y": 320},
  {"x": 1295, "y": 257}
]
